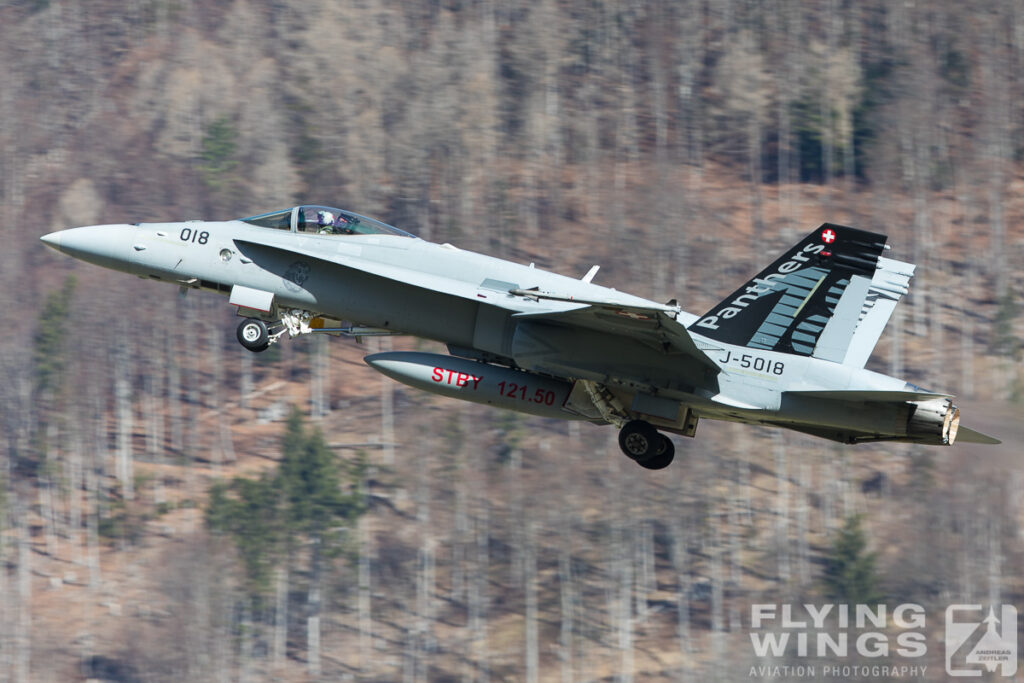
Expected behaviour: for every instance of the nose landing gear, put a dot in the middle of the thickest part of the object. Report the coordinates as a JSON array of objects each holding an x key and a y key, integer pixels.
[
  {"x": 641, "y": 442},
  {"x": 253, "y": 334},
  {"x": 258, "y": 334}
]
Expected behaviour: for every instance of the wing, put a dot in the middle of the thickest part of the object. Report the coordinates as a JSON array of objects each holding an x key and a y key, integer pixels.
[
  {"x": 654, "y": 326},
  {"x": 492, "y": 292}
]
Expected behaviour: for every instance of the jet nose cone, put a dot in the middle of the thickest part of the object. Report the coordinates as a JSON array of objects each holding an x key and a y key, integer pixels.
[
  {"x": 52, "y": 240},
  {"x": 104, "y": 245}
]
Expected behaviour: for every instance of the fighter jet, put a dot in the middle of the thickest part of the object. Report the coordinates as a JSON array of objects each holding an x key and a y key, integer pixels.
[{"x": 787, "y": 348}]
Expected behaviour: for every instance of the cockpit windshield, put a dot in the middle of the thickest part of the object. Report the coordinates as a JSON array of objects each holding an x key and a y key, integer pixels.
[
  {"x": 323, "y": 220},
  {"x": 280, "y": 220}
]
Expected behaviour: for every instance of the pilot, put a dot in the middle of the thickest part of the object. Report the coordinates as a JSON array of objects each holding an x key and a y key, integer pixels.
[{"x": 325, "y": 222}]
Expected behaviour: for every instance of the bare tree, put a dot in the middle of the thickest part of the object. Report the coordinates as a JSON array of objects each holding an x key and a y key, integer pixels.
[
  {"x": 531, "y": 617},
  {"x": 23, "y": 630},
  {"x": 123, "y": 406},
  {"x": 681, "y": 564}
]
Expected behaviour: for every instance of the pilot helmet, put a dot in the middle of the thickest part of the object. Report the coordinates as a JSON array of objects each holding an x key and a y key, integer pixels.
[{"x": 324, "y": 218}]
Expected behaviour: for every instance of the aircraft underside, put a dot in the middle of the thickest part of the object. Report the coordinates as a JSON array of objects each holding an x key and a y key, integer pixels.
[{"x": 642, "y": 412}]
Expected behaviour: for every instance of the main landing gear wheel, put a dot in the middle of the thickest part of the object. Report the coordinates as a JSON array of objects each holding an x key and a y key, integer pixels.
[
  {"x": 253, "y": 334},
  {"x": 641, "y": 442},
  {"x": 663, "y": 458}
]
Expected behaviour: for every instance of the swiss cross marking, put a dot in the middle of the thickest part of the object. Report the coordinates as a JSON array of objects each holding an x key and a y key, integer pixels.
[{"x": 828, "y": 236}]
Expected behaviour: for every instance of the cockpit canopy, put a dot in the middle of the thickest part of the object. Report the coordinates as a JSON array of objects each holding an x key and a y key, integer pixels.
[{"x": 322, "y": 220}]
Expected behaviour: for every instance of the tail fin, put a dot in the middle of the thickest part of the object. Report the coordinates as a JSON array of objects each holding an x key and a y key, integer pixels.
[{"x": 832, "y": 288}]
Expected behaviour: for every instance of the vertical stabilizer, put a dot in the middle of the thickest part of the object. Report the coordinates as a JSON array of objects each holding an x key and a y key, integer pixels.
[
  {"x": 890, "y": 283},
  {"x": 829, "y": 296}
]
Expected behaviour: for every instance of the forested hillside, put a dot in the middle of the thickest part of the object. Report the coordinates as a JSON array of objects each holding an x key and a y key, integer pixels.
[{"x": 175, "y": 508}]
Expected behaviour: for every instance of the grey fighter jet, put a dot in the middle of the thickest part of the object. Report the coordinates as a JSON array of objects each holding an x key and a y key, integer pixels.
[{"x": 787, "y": 348}]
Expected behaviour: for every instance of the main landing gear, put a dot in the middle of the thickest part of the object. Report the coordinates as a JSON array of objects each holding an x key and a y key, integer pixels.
[{"x": 641, "y": 442}]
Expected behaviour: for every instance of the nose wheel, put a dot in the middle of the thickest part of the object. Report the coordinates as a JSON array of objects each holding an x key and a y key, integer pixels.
[
  {"x": 253, "y": 334},
  {"x": 641, "y": 442}
]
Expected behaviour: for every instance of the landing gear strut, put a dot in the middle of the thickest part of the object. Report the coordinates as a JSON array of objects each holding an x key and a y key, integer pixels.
[{"x": 641, "y": 442}]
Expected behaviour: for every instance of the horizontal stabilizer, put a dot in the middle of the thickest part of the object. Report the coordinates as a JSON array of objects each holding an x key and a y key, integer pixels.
[
  {"x": 869, "y": 395},
  {"x": 968, "y": 435}
]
